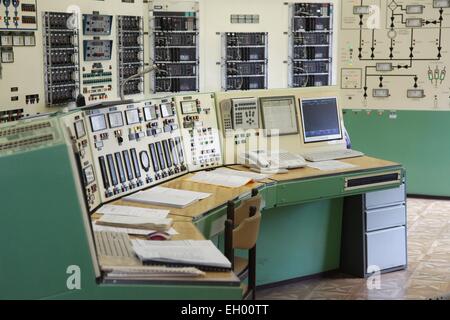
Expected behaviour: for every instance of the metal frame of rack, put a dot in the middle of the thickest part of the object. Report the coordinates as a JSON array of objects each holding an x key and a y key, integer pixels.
[
  {"x": 237, "y": 74},
  {"x": 310, "y": 41},
  {"x": 191, "y": 32},
  {"x": 121, "y": 48},
  {"x": 49, "y": 51}
]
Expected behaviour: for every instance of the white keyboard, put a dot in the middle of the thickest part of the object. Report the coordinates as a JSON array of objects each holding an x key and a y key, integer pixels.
[
  {"x": 113, "y": 244},
  {"x": 290, "y": 161},
  {"x": 332, "y": 155}
]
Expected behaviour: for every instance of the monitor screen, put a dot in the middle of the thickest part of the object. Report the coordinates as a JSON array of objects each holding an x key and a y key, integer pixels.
[
  {"x": 279, "y": 115},
  {"x": 320, "y": 118}
]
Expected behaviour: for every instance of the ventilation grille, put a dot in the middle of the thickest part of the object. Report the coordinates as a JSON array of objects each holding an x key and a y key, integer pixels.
[
  {"x": 22, "y": 129},
  {"x": 25, "y": 142}
]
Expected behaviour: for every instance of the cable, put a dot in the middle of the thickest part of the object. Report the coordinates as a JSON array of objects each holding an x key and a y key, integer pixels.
[
  {"x": 239, "y": 73},
  {"x": 139, "y": 74},
  {"x": 305, "y": 73},
  {"x": 170, "y": 81}
]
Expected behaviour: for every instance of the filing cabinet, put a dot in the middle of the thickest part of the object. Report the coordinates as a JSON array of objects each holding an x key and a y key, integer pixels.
[{"x": 374, "y": 232}]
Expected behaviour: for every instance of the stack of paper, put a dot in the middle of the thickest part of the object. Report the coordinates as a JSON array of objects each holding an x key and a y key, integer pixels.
[
  {"x": 167, "y": 197},
  {"x": 135, "y": 222},
  {"x": 201, "y": 254},
  {"x": 109, "y": 209}
]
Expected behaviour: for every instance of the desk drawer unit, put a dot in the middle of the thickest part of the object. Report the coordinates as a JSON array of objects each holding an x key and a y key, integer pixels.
[
  {"x": 374, "y": 232},
  {"x": 382, "y": 218},
  {"x": 386, "y": 248},
  {"x": 385, "y": 198}
]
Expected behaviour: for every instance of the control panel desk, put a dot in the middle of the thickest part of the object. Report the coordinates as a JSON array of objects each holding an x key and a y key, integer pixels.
[
  {"x": 303, "y": 214},
  {"x": 316, "y": 221}
]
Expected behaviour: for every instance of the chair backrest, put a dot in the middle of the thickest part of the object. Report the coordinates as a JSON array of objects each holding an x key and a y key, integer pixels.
[
  {"x": 241, "y": 232},
  {"x": 242, "y": 211},
  {"x": 243, "y": 236},
  {"x": 246, "y": 234}
]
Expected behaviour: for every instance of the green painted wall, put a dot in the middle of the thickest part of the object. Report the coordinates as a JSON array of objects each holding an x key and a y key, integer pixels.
[{"x": 417, "y": 139}]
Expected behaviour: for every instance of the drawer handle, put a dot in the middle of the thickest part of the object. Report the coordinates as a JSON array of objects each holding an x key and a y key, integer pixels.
[{"x": 373, "y": 180}]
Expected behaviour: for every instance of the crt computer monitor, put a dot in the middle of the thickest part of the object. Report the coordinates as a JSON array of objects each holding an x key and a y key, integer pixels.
[{"x": 320, "y": 119}]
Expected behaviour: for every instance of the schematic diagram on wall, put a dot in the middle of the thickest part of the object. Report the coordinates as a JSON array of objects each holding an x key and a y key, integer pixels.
[{"x": 394, "y": 51}]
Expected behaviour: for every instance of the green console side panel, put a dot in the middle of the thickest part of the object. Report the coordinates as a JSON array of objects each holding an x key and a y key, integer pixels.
[
  {"x": 152, "y": 292},
  {"x": 297, "y": 241},
  {"x": 416, "y": 139},
  {"x": 43, "y": 234}
]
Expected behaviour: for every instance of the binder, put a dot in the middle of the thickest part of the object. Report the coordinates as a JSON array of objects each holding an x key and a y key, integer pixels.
[{"x": 201, "y": 254}]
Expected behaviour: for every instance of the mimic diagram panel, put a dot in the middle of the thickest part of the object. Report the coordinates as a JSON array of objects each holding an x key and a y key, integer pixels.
[
  {"x": 198, "y": 119},
  {"x": 18, "y": 15},
  {"x": 394, "y": 54}
]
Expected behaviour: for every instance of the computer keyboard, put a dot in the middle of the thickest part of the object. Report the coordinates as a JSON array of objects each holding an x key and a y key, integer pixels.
[
  {"x": 113, "y": 244},
  {"x": 290, "y": 161},
  {"x": 332, "y": 155}
]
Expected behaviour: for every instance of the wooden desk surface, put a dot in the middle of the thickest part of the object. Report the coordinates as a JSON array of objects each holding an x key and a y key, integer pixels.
[
  {"x": 361, "y": 163},
  {"x": 219, "y": 197},
  {"x": 188, "y": 231}
]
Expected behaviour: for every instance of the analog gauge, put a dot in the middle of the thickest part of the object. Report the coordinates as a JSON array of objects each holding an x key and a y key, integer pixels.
[{"x": 145, "y": 161}]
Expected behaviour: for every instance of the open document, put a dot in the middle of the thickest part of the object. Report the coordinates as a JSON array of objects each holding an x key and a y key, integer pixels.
[
  {"x": 202, "y": 254},
  {"x": 167, "y": 197}
]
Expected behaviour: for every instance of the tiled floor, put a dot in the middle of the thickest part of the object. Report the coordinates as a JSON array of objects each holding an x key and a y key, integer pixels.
[{"x": 427, "y": 276}]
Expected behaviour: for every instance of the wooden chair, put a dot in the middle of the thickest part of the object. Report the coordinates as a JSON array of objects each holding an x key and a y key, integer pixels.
[{"x": 241, "y": 232}]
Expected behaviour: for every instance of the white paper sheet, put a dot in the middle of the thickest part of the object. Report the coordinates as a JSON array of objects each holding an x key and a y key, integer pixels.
[
  {"x": 246, "y": 174},
  {"x": 167, "y": 197},
  {"x": 217, "y": 179},
  {"x": 331, "y": 165},
  {"x": 109, "y": 209}
]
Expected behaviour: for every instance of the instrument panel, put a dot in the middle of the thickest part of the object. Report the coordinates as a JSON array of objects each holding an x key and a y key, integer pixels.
[
  {"x": 135, "y": 146},
  {"x": 198, "y": 118},
  {"x": 124, "y": 148}
]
